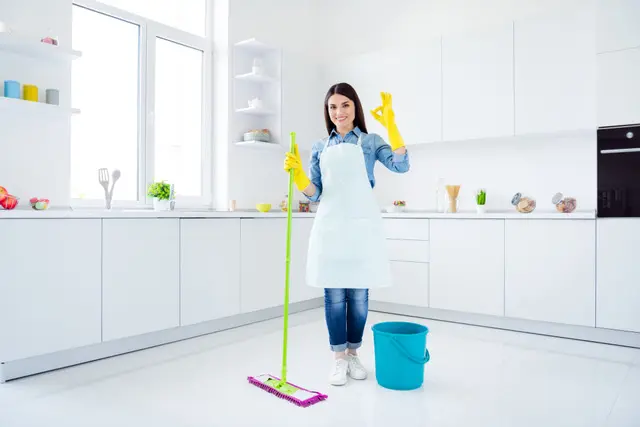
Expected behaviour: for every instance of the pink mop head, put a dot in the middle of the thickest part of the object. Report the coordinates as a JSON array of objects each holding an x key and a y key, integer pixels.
[{"x": 291, "y": 392}]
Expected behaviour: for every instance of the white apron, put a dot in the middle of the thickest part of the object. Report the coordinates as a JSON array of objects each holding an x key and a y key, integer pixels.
[{"x": 347, "y": 247}]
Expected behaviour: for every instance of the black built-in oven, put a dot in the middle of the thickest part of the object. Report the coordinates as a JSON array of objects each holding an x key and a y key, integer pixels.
[{"x": 619, "y": 171}]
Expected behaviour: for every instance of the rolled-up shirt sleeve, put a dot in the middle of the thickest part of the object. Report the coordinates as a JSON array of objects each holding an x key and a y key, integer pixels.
[
  {"x": 315, "y": 174},
  {"x": 393, "y": 161}
]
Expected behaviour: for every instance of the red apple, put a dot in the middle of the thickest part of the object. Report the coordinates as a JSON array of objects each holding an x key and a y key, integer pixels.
[{"x": 9, "y": 202}]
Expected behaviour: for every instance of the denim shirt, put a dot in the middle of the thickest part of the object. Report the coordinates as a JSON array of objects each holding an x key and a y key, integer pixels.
[{"x": 373, "y": 147}]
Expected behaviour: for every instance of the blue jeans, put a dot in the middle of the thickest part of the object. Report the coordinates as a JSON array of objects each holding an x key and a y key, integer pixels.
[{"x": 345, "y": 312}]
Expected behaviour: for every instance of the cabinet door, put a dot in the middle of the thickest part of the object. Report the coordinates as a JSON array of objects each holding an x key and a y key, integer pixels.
[
  {"x": 300, "y": 232},
  {"x": 619, "y": 87},
  {"x": 550, "y": 270},
  {"x": 209, "y": 269},
  {"x": 467, "y": 265},
  {"x": 477, "y": 74},
  {"x": 49, "y": 286},
  {"x": 410, "y": 285},
  {"x": 263, "y": 246},
  {"x": 618, "y": 274},
  {"x": 618, "y": 26},
  {"x": 555, "y": 72},
  {"x": 140, "y": 276}
]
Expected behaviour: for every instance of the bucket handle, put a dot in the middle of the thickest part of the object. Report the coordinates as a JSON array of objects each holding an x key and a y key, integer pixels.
[{"x": 406, "y": 354}]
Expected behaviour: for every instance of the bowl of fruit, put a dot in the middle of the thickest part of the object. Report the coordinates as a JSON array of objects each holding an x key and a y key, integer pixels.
[
  {"x": 39, "y": 204},
  {"x": 398, "y": 206},
  {"x": 8, "y": 201}
]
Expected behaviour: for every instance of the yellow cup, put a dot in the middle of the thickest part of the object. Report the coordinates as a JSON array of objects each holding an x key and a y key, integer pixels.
[{"x": 30, "y": 93}]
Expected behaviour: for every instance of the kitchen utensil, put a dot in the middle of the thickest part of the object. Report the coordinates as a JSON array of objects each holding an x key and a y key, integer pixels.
[
  {"x": 115, "y": 176},
  {"x": 263, "y": 207},
  {"x": 172, "y": 201},
  {"x": 103, "y": 179},
  {"x": 452, "y": 197}
]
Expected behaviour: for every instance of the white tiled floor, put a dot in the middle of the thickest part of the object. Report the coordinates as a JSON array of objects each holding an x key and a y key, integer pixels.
[{"x": 477, "y": 376}]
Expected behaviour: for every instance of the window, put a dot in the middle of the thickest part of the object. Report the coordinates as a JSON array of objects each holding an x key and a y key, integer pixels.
[
  {"x": 141, "y": 86},
  {"x": 186, "y": 15}
]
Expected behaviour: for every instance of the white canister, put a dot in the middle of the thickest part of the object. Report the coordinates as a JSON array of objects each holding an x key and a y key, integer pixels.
[{"x": 161, "y": 205}]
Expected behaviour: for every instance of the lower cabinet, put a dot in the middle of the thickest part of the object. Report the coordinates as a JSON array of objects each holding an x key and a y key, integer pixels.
[
  {"x": 49, "y": 286},
  {"x": 263, "y": 244},
  {"x": 618, "y": 272},
  {"x": 300, "y": 232},
  {"x": 140, "y": 274},
  {"x": 410, "y": 285},
  {"x": 209, "y": 269},
  {"x": 550, "y": 270},
  {"x": 467, "y": 265}
]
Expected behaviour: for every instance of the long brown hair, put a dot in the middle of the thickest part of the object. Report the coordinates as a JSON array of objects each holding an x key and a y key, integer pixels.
[{"x": 344, "y": 89}]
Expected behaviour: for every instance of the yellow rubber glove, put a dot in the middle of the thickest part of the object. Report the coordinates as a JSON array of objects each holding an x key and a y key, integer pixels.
[
  {"x": 293, "y": 161},
  {"x": 385, "y": 115}
]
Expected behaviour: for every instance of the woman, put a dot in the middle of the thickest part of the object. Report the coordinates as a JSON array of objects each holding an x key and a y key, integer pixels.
[{"x": 347, "y": 253}]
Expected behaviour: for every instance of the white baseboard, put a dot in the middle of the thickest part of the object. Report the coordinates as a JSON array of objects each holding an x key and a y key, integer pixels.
[
  {"x": 49, "y": 362},
  {"x": 582, "y": 333}
]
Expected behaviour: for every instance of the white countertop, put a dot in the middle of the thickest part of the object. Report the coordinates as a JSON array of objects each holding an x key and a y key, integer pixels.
[{"x": 208, "y": 213}]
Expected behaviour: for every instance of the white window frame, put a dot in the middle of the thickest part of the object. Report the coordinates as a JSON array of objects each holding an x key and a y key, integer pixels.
[{"x": 149, "y": 30}]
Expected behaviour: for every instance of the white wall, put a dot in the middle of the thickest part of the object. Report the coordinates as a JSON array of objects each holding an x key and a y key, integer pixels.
[
  {"x": 291, "y": 25},
  {"x": 35, "y": 149},
  {"x": 537, "y": 167}
]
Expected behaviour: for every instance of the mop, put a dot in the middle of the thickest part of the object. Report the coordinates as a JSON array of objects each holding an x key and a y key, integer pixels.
[{"x": 280, "y": 386}]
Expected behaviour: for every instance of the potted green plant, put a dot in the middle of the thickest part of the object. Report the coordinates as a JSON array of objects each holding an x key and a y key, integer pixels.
[
  {"x": 481, "y": 200},
  {"x": 161, "y": 193}
]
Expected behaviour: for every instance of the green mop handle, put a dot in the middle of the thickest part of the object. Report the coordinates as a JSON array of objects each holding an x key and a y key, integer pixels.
[{"x": 287, "y": 267}]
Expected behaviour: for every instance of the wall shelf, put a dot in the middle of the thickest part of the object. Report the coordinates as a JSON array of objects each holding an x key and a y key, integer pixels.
[
  {"x": 253, "y": 44},
  {"x": 259, "y": 144},
  {"x": 258, "y": 78},
  {"x": 11, "y": 43},
  {"x": 255, "y": 111},
  {"x": 21, "y": 106}
]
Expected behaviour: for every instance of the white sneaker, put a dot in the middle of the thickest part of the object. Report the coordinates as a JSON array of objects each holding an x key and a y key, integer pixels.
[
  {"x": 356, "y": 370},
  {"x": 339, "y": 371}
]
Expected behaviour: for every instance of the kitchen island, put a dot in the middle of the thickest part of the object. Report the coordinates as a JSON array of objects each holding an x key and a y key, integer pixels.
[{"x": 80, "y": 285}]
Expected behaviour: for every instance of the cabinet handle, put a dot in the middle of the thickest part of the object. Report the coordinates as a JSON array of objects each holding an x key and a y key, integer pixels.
[{"x": 621, "y": 150}]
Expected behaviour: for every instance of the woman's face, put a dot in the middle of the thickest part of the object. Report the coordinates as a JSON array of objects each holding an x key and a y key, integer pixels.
[{"x": 342, "y": 111}]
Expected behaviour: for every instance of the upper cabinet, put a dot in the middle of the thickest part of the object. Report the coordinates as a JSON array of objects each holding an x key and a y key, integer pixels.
[
  {"x": 619, "y": 87},
  {"x": 618, "y": 24},
  {"x": 477, "y": 73},
  {"x": 555, "y": 72}
]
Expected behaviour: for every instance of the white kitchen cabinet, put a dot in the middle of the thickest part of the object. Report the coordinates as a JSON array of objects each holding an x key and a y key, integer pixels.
[
  {"x": 555, "y": 72},
  {"x": 49, "y": 286},
  {"x": 300, "y": 233},
  {"x": 140, "y": 276},
  {"x": 410, "y": 285},
  {"x": 413, "y": 77},
  {"x": 263, "y": 246},
  {"x": 477, "y": 73},
  {"x": 467, "y": 265},
  {"x": 618, "y": 26},
  {"x": 209, "y": 269},
  {"x": 550, "y": 270},
  {"x": 619, "y": 87},
  {"x": 618, "y": 274}
]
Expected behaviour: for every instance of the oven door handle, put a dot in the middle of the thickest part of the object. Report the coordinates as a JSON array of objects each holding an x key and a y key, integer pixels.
[{"x": 620, "y": 150}]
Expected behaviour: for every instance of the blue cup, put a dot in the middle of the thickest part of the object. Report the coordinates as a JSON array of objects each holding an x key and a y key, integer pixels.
[{"x": 12, "y": 89}]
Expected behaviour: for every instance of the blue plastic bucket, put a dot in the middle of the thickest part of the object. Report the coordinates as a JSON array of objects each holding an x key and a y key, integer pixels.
[{"x": 400, "y": 354}]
